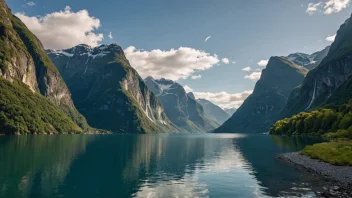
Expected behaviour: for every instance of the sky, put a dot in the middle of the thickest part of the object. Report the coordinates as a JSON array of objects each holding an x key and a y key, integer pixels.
[{"x": 216, "y": 49}]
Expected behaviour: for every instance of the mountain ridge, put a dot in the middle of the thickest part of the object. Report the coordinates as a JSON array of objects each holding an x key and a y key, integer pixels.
[
  {"x": 263, "y": 106},
  {"x": 326, "y": 78},
  {"x": 24, "y": 63},
  {"x": 214, "y": 111},
  {"x": 108, "y": 91},
  {"x": 181, "y": 107}
]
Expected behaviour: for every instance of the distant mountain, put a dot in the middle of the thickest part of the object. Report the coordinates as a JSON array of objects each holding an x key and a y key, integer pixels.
[
  {"x": 309, "y": 61},
  {"x": 323, "y": 85},
  {"x": 230, "y": 111},
  {"x": 262, "y": 108},
  {"x": 214, "y": 111},
  {"x": 108, "y": 91},
  {"x": 181, "y": 108},
  {"x": 33, "y": 96}
]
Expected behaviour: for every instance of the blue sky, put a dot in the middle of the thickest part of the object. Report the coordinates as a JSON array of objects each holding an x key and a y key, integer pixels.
[{"x": 244, "y": 31}]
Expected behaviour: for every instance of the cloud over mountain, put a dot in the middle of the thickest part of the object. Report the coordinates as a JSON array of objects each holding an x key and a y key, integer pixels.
[
  {"x": 254, "y": 75},
  {"x": 187, "y": 89},
  {"x": 196, "y": 77},
  {"x": 331, "y": 38},
  {"x": 263, "y": 63},
  {"x": 64, "y": 29},
  {"x": 224, "y": 99},
  {"x": 172, "y": 64}
]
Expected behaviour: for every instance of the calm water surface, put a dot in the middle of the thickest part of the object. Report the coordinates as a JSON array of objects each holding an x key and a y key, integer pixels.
[{"x": 206, "y": 165}]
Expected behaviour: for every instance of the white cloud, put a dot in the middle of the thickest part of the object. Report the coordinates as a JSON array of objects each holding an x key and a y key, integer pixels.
[
  {"x": 173, "y": 64},
  {"x": 196, "y": 77},
  {"x": 247, "y": 69},
  {"x": 334, "y": 6},
  {"x": 187, "y": 89},
  {"x": 206, "y": 39},
  {"x": 110, "y": 35},
  {"x": 64, "y": 29},
  {"x": 254, "y": 76},
  {"x": 30, "y": 3},
  {"x": 224, "y": 99},
  {"x": 233, "y": 62},
  {"x": 313, "y": 7},
  {"x": 331, "y": 38},
  {"x": 225, "y": 61},
  {"x": 263, "y": 63},
  {"x": 329, "y": 6}
]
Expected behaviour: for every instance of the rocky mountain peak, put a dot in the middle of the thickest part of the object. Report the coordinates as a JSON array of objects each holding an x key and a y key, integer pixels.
[
  {"x": 321, "y": 83},
  {"x": 343, "y": 36},
  {"x": 149, "y": 78},
  {"x": 86, "y": 50},
  {"x": 153, "y": 85},
  {"x": 164, "y": 81},
  {"x": 181, "y": 108},
  {"x": 309, "y": 61},
  {"x": 191, "y": 95},
  {"x": 271, "y": 92},
  {"x": 108, "y": 91}
]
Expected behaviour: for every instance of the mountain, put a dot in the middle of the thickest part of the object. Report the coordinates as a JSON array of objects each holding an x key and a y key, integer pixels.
[
  {"x": 181, "y": 108},
  {"x": 230, "y": 111},
  {"x": 322, "y": 83},
  {"x": 191, "y": 95},
  {"x": 309, "y": 61},
  {"x": 262, "y": 108},
  {"x": 108, "y": 91},
  {"x": 34, "y": 98},
  {"x": 214, "y": 111}
]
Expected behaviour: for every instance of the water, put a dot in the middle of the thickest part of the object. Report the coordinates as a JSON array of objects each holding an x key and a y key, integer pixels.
[{"x": 206, "y": 165}]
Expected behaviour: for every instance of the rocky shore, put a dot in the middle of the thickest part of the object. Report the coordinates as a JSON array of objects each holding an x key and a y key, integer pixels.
[{"x": 339, "y": 178}]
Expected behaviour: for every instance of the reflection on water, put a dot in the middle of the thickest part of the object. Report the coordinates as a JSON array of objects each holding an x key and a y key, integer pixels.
[
  {"x": 207, "y": 165},
  {"x": 33, "y": 165}
]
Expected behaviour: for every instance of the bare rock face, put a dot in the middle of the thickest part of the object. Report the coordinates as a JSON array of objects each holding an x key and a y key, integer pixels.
[
  {"x": 181, "y": 108},
  {"x": 262, "y": 109},
  {"x": 320, "y": 83},
  {"x": 213, "y": 110},
  {"x": 309, "y": 61},
  {"x": 23, "y": 58},
  {"x": 108, "y": 91}
]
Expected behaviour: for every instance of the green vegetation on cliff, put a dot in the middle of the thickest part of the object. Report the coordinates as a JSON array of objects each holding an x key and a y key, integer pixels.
[
  {"x": 270, "y": 95},
  {"x": 25, "y": 112},
  {"x": 333, "y": 122},
  {"x": 23, "y": 59}
]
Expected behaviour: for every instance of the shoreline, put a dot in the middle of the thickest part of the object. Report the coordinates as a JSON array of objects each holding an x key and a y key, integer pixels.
[{"x": 339, "y": 177}]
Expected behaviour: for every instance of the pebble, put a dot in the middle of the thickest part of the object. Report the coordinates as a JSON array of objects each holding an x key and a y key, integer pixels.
[{"x": 341, "y": 176}]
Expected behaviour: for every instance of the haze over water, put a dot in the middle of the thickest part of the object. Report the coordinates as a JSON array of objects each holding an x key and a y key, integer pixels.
[{"x": 199, "y": 165}]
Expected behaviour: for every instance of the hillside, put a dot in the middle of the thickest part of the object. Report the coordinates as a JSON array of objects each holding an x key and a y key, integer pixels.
[
  {"x": 262, "y": 108},
  {"x": 26, "y": 70}
]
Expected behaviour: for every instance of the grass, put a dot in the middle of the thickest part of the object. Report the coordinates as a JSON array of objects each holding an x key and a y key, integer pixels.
[{"x": 336, "y": 153}]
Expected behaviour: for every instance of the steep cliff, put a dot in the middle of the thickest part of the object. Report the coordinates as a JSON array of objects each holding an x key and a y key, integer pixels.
[
  {"x": 261, "y": 109},
  {"x": 230, "y": 111},
  {"x": 309, "y": 61},
  {"x": 214, "y": 111},
  {"x": 22, "y": 58},
  {"x": 108, "y": 91},
  {"x": 321, "y": 83},
  {"x": 181, "y": 108}
]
